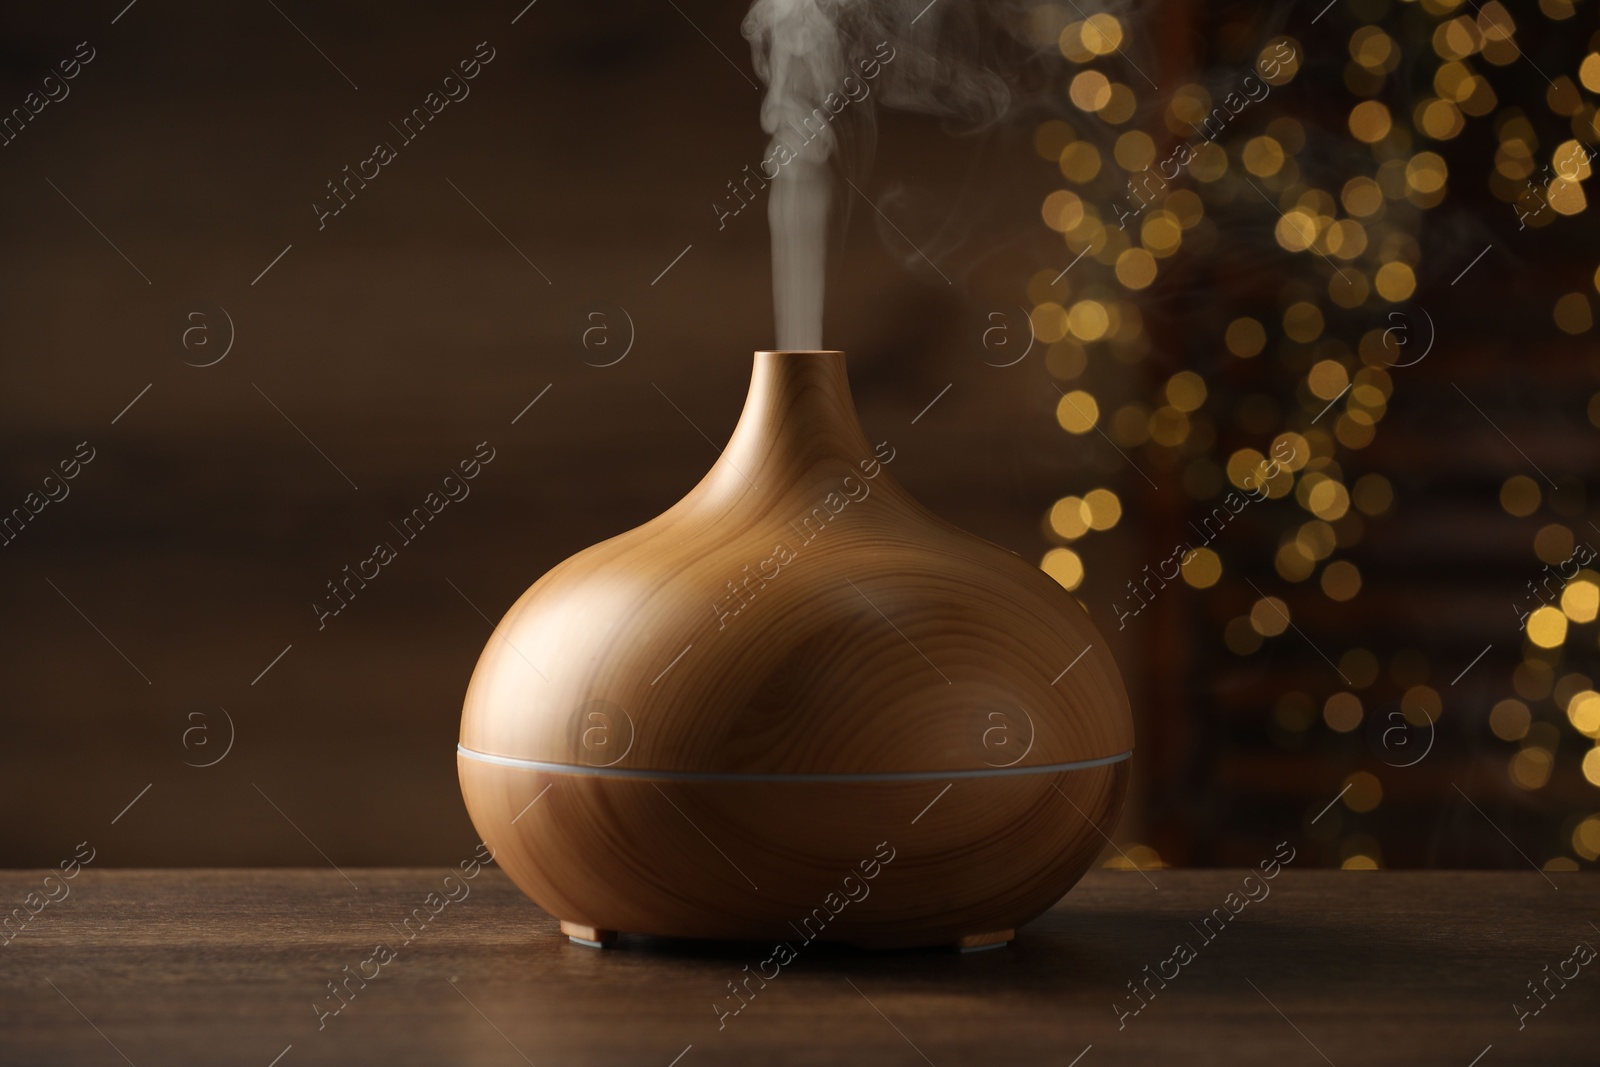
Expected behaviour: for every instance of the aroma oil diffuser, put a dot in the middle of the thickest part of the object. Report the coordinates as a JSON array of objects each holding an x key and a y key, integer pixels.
[{"x": 796, "y": 704}]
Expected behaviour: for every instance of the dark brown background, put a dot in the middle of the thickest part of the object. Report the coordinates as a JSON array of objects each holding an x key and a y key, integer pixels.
[
  {"x": 408, "y": 330},
  {"x": 396, "y": 338}
]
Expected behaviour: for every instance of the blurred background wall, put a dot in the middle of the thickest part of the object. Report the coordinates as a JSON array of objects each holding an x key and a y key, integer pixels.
[{"x": 1381, "y": 272}]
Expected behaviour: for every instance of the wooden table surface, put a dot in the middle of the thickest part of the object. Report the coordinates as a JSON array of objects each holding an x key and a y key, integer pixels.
[{"x": 229, "y": 967}]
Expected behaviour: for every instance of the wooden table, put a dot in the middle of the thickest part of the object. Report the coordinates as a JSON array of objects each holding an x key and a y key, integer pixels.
[{"x": 228, "y": 967}]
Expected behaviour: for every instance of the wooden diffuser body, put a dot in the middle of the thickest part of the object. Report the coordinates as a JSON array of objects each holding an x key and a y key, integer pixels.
[{"x": 796, "y": 704}]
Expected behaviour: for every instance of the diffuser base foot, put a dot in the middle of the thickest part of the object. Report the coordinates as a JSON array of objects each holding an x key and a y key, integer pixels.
[
  {"x": 984, "y": 942},
  {"x": 591, "y": 936}
]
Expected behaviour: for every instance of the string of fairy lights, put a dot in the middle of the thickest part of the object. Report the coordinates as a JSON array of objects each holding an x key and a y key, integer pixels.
[{"x": 1419, "y": 75}]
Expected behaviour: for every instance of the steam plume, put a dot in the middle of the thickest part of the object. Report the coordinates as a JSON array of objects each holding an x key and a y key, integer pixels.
[
  {"x": 798, "y": 54},
  {"x": 821, "y": 60}
]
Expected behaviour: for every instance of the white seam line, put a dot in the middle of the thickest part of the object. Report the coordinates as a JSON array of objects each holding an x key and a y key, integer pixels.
[{"x": 585, "y": 770}]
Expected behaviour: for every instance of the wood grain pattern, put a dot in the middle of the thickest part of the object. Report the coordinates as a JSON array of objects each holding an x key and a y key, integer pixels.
[
  {"x": 797, "y": 613},
  {"x": 220, "y": 967},
  {"x": 782, "y": 860}
]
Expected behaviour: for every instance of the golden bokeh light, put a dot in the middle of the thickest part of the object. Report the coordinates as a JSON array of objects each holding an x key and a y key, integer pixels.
[
  {"x": 1317, "y": 538},
  {"x": 1328, "y": 379},
  {"x": 1134, "y": 151},
  {"x": 1583, "y": 711},
  {"x": 1520, "y": 495},
  {"x": 1395, "y": 282},
  {"x": 1421, "y": 705},
  {"x": 1374, "y": 49},
  {"x": 1327, "y": 499},
  {"x": 1346, "y": 239},
  {"x": 1077, "y": 412},
  {"x": 1136, "y": 268},
  {"x": 1245, "y": 337},
  {"x": 1240, "y": 637},
  {"x": 1571, "y": 161},
  {"x": 1101, "y": 34},
  {"x": 1373, "y": 494},
  {"x": 1136, "y": 858},
  {"x": 1121, "y": 106},
  {"x": 1296, "y": 230},
  {"x": 1586, "y": 838},
  {"x": 1186, "y": 206},
  {"x": 1202, "y": 569},
  {"x": 1090, "y": 90},
  {"x": 1262, "y": 156},
  {"x": 1105, "y": 508},
  {"x": 1573, "y": 314},
  {"x": 1553, "y": 543},
  {"x": 1303, "y": 322},
  {"x": 1580, "y": 600},
  {"x": 1341, "y": 580},
  {"x": 1161, "y": 233},
  {"x": 1589, "y": 72},
  {"x": 1342, "y": 712},
  {"x": 1361, "y": 196},
  {"x": 1069, "y": 518},
  {"x": 1065, "y": 566},
  {"x": 1440, "y": 119},
  {"x": 1363, "y": 792},
  {"x": 1352, "y": 238},
  {"x": 1168, "y": 426},
  {"x": 1369, "y": 121},
  {"x": 1186, "y": 391},
  {"x": 1293, "y": 563},
  {"x": 1531, "y": 767},
  {"x": 1509, "y": 720},
  {"x": 1292, "y": 450},
  {"x": 1269, "y": 616},
  {"x": 1049, "y": 322},
  {"x": 1080, "y": 162},
  {"x": 1547, "y": 627},
  {"x": 1426, "y": 172},
  {"x": 1457, "y": 39},
  {"x": 1566, "y": 198},
  {"x": 1062, "y": 210},
  {"x": 1088, "y": 320},
  {"x": 1360, "y": 666},
  {"x": 1270, "y": 61}
]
